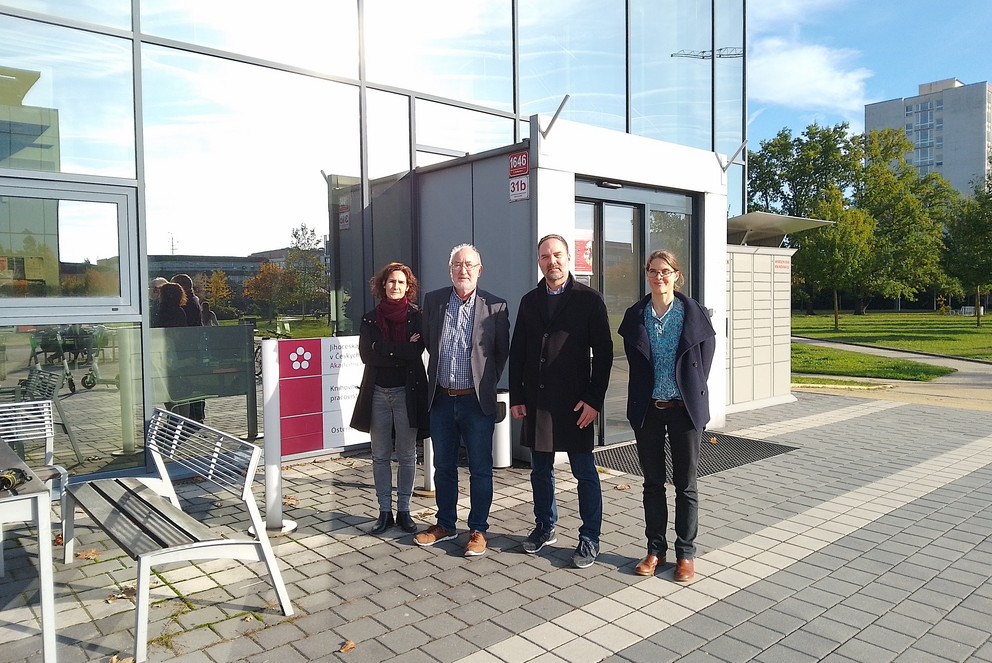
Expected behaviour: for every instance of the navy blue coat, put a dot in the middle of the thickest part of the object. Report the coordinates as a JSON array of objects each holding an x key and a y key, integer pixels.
[
  {"x": 550, "y": 368},
  {"x": 693, "y": 359}
]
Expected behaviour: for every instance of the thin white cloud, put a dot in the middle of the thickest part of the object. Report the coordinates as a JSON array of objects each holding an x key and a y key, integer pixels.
[
  {"x": 806, "y": 77},
  {"x": 789, "y": 70}
]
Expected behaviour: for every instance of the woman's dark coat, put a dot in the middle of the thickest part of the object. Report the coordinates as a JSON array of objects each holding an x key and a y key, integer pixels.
[
  {"x": 693, "y": 359},
  {"x": 376, "y": 352},
  {"x": 550, "y": 367}
]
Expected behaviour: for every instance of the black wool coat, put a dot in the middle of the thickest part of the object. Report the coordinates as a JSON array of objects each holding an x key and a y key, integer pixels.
[
  {"x": 376, "y": 353},
  {"x": 550, "y": 367},
  {"x": 693, "y": 359}
]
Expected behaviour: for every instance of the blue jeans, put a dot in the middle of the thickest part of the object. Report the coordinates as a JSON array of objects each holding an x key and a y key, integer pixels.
[
  {"x": 457, "y": 420},
  {"x": 388, "y": 418},
  {"x": 684, "y": 442},
  {"x": 542, "y": 481}
]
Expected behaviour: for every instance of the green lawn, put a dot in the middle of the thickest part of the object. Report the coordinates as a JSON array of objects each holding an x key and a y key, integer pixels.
[
  {"x": 828, "y": 361},
  {"x": 950, "y": 335}
]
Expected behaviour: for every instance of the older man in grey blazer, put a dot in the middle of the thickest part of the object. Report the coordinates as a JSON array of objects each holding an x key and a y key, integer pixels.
[{"x": 468, "y": 337}]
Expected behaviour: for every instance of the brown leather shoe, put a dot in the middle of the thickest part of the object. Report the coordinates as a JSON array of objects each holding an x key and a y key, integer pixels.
[
  {"x": 684, "y": 570},
  {"x": 647, "y": 566}
]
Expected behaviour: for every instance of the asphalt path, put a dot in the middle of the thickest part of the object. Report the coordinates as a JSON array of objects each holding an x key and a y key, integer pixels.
[{"x": 968, "y": 388}]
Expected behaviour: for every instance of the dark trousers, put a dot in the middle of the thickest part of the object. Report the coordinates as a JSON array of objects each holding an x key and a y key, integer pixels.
[{"x": 684, "y": 442}]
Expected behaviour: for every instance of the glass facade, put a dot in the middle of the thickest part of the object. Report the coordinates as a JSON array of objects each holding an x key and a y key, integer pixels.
[{"x": 235, "y": 141}]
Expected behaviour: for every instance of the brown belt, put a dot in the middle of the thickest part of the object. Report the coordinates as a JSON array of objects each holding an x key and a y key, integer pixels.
[
  {"x": 664, "y": 405},
  {"x": 457, "y": 392}
]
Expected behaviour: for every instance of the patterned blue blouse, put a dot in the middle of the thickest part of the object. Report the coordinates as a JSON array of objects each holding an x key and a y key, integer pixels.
[{"x": 664, "y": 333}]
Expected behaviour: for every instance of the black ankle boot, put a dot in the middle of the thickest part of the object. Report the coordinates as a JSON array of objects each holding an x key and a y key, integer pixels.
[
  {"x": 405, "y": 522},
  {"x": 384, "y": 522}
]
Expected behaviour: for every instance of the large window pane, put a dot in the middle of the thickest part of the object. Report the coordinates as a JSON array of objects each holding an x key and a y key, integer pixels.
[
  {"x": 459, "y": 130},
  {"x": 314, "y": 34},
  {"x": 58, "y": 248},
  {"x": 459, "y": 49},
  {"x": 387, "y": 117},
  {"x": 235, "y": 153},
  {"x": 574, "y": 48},
  {"x": 66, "y": 100},
  {"x": 671, "y": 71},
  {"x": 95, "y": 370}
]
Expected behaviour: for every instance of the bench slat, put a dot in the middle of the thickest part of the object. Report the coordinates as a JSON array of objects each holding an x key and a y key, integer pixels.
[{"x": 136, "y": 518}]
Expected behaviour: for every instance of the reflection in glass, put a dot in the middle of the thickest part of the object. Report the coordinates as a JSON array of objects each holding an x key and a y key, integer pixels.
[
  {"x": 212, "y": 364},
  {"x": 670, "y": 230},
  {"x": 585, "y": 262},
  {"x": 95, "y": 370},
  {"x": 460, "y": 130},
  {"x": 113, "y": 14},
  {"x": 314, "y": 34},
  {"x": 235, "y": 153},
  {"x": 58, "y": 248},
  {"x": 458, "y": 49},
  {"x": 576, "y": 48},
  {"x": 621, "y": 288},
  {"x": 388, "y": 119},
  {"x": 66, "y": 100},
  {"x": 671, "y": 64}
]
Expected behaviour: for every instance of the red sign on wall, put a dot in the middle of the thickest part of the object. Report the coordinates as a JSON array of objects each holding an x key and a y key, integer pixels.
[{"x": 519, "y": 164}]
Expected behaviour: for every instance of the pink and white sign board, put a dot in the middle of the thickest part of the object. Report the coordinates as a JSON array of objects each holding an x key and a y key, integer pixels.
[{"x": 309, "y": 388}]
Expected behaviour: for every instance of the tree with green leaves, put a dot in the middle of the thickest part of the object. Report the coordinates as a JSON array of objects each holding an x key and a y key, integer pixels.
[
  {"x": 831, "y": 255},
  {"x": 305, "y": 260},
  {"x": 909, "y": 211},
  {"x": 790, "y": 175},
  {"x": 969, "y": 243}
]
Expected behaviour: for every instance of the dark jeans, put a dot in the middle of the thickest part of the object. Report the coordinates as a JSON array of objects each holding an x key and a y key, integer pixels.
[
  {"x": 684, "y": 442},
  {"x": 542, "y": 481},
  {"x": 457, "y": 420}
]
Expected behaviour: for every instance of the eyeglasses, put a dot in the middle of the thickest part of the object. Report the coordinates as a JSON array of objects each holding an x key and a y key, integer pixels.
[
  {"x": 468, "y": 266},
  {"x": 663, "y": 273}
]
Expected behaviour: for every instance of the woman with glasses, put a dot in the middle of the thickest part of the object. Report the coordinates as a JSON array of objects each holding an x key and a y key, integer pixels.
[
  {"x": 669, "y": 342},
  {"x": 392, "y": 399}
]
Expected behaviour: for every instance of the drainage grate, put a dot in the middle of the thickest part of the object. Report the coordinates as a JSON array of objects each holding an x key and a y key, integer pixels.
[{"x": 727, "y": 453}]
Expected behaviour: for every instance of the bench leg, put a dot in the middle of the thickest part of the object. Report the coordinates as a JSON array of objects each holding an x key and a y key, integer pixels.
[
  {"x": 141, "y": 609},
  {"x": 68, "y": 525},
  {"x": 3, "y": 571}
]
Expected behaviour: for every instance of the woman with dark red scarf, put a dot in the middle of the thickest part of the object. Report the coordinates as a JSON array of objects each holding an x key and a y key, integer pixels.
[{"x": 392, "y": 400}]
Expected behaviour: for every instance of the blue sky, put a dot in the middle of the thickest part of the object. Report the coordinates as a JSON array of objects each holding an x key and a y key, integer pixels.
[{"x": 823, "y": 60}]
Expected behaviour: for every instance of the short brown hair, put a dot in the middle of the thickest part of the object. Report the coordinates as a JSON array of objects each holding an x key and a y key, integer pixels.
[{"x": 378, "y": 282}]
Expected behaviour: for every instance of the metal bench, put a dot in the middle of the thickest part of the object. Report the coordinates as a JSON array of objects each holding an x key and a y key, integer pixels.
[
  {"x": 144, "y": 516},
  {"x": 31, "y": 421},
  {"x": 41, "y": 385}
]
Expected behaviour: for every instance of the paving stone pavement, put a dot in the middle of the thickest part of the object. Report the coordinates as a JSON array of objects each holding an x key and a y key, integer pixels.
[{"x": 869, "y": 542}]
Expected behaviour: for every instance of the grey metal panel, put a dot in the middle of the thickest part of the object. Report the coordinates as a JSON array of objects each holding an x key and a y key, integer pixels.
[
  {"x": 445, "y": 220},
  {"x": 504, "y": 233}
]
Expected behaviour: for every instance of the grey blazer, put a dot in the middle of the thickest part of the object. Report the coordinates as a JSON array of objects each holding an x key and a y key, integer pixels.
[{"x": 490, "y": 342}]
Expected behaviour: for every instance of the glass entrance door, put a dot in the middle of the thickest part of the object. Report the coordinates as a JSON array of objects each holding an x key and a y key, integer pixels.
[{"x": 607, "y": 258}]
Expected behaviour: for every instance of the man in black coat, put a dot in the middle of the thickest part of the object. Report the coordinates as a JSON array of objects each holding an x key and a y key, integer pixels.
[{"x": 558, "y": 391}]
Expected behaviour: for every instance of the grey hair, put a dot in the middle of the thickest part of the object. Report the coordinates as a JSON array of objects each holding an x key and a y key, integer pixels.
[{"x": 459, "y": 247}]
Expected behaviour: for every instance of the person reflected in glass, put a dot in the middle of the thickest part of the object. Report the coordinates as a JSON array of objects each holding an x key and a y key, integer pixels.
[
  {"x": 207, "y": 316},
  {"x": 669, "y": 342},
  {"x": 392, "y": 399},
  {"x": 171, "y": 306}
]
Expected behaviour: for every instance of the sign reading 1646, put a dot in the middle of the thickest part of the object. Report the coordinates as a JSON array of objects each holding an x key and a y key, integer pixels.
[{"x": 519, "y": 164}]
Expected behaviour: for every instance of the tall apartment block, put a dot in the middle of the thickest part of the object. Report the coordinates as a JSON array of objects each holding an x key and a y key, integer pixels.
[{"x": 950, "y": 126}]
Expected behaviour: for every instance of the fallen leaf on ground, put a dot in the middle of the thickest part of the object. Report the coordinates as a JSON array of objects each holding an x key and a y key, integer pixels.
[
  {"x": 58, "y": 539},
  {"x": 290, "y": 500},
  {"x": 89, "y": 553},
  {"x": 623, "y": 486},
  {"x": 249, "y": 618},
  {"x": 712, "y": 440},
  {"x": 347, "y": 647},
  {"x": 114, "y": 659}
]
